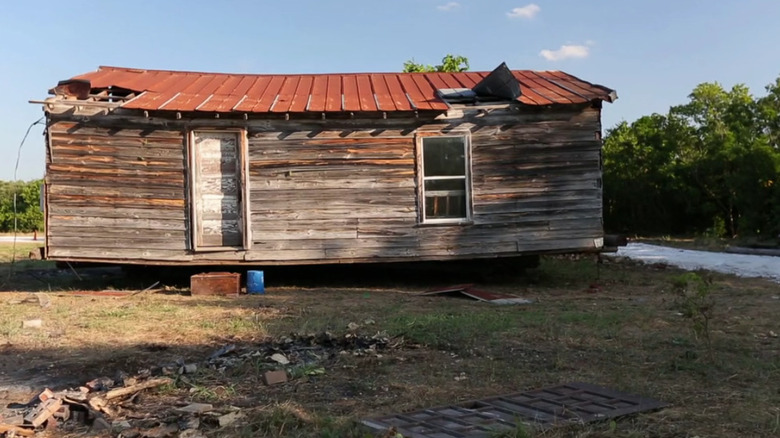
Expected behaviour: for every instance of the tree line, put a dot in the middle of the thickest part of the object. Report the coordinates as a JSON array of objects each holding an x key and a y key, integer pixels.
[
  {"x": 708, "y": 166},
  {"x": 28, "y": 212}
]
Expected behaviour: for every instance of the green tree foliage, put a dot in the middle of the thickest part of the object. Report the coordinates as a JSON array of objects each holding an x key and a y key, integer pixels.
[
  {"x": 28, "y": 214},
  {"x": 709, "y": 165},
  {"x": 450, "y": 63}
]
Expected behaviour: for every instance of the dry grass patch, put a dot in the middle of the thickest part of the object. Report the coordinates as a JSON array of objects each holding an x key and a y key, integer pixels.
[{"x": 623, "y": 330}]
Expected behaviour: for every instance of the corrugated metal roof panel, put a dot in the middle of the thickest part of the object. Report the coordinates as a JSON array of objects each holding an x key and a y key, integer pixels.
[{"x": 220, "y": 92}]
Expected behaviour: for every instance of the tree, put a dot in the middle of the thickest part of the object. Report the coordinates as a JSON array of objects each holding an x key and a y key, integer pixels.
[
  {"x": 709, "y": 165},
  {"x": 28, "y": 214},
  {"x": 450, "y": 63}
]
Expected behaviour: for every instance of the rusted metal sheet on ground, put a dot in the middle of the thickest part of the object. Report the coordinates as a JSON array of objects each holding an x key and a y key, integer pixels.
[
  {"x": 215, "y": 283},
  {"x": 572, "y": 403},
  {"x": 469, "y": 291}
]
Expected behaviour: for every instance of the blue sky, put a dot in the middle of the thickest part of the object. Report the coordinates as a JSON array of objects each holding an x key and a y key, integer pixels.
[{"x": 652, "y": 52}]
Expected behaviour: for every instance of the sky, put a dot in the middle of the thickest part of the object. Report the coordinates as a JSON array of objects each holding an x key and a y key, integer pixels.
[{"x": 652, "y": 52}]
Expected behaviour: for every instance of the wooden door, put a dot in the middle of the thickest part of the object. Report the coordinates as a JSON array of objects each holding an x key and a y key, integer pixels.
[{"x": 217, "y": 189}]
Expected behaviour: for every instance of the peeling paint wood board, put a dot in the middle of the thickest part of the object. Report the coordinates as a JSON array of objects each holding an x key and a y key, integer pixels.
[
  {"x": 558, "y": 405},
  {"x": 217, "y": 189}
]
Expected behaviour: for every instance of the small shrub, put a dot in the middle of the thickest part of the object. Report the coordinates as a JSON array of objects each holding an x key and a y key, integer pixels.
[{"x": 695, "y": 302}]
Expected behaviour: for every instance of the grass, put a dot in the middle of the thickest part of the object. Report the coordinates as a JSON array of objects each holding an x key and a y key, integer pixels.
[{"x": 622, "y": 329}]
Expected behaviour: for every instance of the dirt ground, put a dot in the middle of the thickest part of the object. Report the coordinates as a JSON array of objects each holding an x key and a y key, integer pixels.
[{"x": 618, "y": 324}]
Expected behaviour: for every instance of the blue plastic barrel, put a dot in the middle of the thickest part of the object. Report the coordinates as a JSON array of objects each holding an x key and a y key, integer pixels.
[{"x": 255, "y": 282}]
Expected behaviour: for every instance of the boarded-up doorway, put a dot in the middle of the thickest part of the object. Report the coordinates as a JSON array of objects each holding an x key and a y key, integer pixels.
[{"x": 217, "y": 189}]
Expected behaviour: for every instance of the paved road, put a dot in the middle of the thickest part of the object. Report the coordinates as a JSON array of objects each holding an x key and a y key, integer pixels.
[{"x": 740, "y": 264}]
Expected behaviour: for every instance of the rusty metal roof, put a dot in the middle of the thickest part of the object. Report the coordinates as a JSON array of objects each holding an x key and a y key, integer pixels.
[{"x": 298, "y": 93}]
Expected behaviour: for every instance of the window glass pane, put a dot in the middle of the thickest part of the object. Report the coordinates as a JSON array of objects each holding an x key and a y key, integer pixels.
[
  {"x": 452, "y": 206},
  {"x": 446, "y": 184},
  {"x": 445, "y": 199},
  {"x": 444, "y": 156}
]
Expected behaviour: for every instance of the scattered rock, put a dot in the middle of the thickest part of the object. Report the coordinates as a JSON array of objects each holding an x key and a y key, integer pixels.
[
  {"x": 190, "y": 368},
  {"x": 29, "y": 299},
  {"x": 280, "y": 359},
  {"x": 43, "y": 300},
  {"x": 222, "y": 351},
  {"x": 121, "y": 425},
  {"x": 100, "y": 424},
  {"x": 130, "y": 433},
  {"x": 192, "y": 433},
  {"x": 196, "y": 408},
  {"x": 353, "y": 326},
  {"x": 32, "y": 323},
  {"x": 100, "y": 384},
  {"x": 162, "y": 431},
  {"x": 229, "y": 418},
  {"x": 189, "y": 423},
  {"x": 369, "y": 322}
]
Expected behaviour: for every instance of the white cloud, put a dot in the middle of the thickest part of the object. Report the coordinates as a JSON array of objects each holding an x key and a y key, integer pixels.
[
  {"x": 449, "y": 6},
  {"x": 567, "y": 51},
  {"x": 528, "y": 12}
]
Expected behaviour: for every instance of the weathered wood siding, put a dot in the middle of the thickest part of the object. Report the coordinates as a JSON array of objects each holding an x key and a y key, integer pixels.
[
  {"x": 330, "y": 191},
  {"x": 114, "y": 191},
  {"x": 326, "y": 196}
]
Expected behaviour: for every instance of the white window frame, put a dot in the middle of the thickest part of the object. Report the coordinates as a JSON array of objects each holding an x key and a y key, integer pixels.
[{"x": 421, "y": 178}]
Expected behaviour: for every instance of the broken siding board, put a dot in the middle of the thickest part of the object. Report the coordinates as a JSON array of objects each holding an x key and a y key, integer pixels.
[
  {"x": 113, "y": 202},
  {"x": 311, "y": 184},
  {"x": 83, "y": 221},
  {"x": 112, "y": 191},
  {"x": 100, "y": 180},
  {"x": 367, "y": 212},
  {"x": 98, "y": 149},
  {"x": 130, "y": 242},
  {"x": 55, "y": 229},
  {"x": 116, "y": 161},
  {"x": 53, "y": 168},
  {"x": 128, "y": 213}
]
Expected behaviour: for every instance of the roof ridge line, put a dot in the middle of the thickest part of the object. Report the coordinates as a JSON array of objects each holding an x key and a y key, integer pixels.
[{"x": 149, "y": 70}]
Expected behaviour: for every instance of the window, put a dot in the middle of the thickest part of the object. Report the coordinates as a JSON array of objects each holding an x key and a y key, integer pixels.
[{"x": 445, "y": 185}]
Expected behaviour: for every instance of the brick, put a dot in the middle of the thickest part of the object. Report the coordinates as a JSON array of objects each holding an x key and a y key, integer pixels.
[
  {"x": 275, "y": 377},
  {"x": 43, "y": 412}
]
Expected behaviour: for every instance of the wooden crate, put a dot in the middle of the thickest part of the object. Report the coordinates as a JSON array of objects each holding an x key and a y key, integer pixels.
[{"x": 215, "y": 283}]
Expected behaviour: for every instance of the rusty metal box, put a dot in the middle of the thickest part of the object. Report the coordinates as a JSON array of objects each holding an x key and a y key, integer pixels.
[{"x": 215, "y": 283}]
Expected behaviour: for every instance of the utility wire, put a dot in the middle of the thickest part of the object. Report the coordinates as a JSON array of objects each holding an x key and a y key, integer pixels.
[{"x": 16, "y": 170}]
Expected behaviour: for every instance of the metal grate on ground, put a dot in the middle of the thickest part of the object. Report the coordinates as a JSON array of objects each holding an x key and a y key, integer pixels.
[{"x": 577, "y": 403}]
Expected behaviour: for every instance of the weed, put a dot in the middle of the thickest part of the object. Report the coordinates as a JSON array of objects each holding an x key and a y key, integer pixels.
[
  {"x": 451, "y": 330},
  {"x": 122, "y": 312},
  {"x": 212, "y": 393},
  {"x": 278, "y": 421},
  {"x": 695, "y": 302},
  {"x": 520, "y": 430},
  {"x": 306, "y": 370}
]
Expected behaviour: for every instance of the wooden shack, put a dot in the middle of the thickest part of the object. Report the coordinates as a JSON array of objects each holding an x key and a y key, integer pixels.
[{"x": 172, "y": 167}]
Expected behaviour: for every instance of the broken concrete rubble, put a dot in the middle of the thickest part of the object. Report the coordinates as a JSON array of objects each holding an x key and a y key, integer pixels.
[
  {"x": 32, "y": 323},
  {"x": 69, "y": 406}
]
